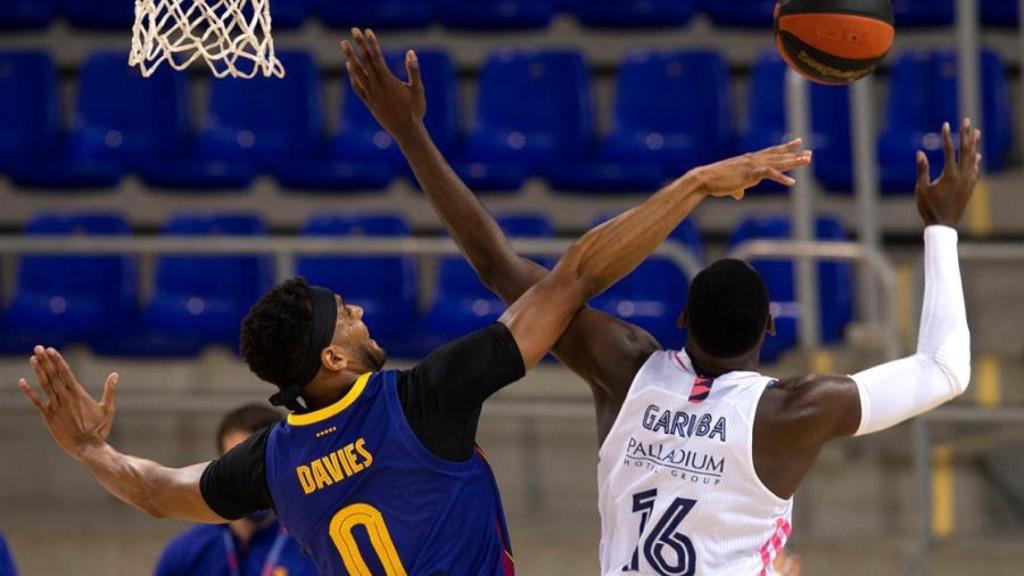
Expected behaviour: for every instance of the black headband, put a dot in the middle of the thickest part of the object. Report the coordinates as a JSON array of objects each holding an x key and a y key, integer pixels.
[{"x": 325, "y": 319}]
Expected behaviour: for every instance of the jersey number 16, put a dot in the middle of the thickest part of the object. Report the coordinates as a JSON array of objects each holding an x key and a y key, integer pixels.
[{"x": 668, "y": 552}]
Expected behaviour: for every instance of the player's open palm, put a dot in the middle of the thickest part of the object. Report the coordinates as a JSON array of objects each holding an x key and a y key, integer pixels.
[
  {"x": 75, "y": 420},
  {"x": 395, "y": 104},
  {"x": 734, "y": 176},
  {"x": 944, "y": 201}
]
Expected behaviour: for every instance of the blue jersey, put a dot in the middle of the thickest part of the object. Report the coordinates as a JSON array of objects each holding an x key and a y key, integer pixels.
[
  {"x": 213, "y": 550},
  {"x": 355, "y": 486},
  {"x": 6, "y": 560}
]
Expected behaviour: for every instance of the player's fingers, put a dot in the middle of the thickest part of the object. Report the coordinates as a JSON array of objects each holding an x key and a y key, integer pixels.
[
  {"x": 357, "y": 76},
  {"x": 364, "y": 51},
  {"x": 923, "y": 176},
  {"x": 776, "y": 176},
  {"x": 49, "y": 364},
  {"x": 352, "y": 62},
  {"x": 966, "y": 136},
  {"x": 792, "y": 161},
  {"x": 947, "y": 146},
  {"x": 29, "y": 393},
  {"x": 43, "y": 378},
  {"x": 110, "y": 391},
  {"x": 64, "y": 372},
  {"x": 376, "y": 54},
  {"x": 412, "y": 66},
  {"x": 791, "y": 146}
]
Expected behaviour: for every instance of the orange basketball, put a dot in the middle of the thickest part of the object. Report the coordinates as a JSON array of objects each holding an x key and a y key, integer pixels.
[{"x": 834, "y": 41}]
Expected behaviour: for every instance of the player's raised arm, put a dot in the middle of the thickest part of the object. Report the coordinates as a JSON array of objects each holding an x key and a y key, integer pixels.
[
  {"x": 612, "y": 250},
  {"x": 80, "y": 426}
]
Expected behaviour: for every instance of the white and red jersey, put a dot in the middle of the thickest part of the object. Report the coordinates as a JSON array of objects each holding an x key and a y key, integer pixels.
[{"x": 678, "y": 492}]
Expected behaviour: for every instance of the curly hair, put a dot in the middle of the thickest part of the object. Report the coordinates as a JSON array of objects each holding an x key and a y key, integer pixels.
[{"x": 276, "y": 332}]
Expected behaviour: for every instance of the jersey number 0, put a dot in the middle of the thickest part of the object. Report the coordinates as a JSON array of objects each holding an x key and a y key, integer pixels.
[
  {"x": 368, "y": 517},
  {"x": 668, "y": 552}
]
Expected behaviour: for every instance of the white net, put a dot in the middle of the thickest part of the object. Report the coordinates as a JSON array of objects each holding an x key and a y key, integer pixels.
[{"x": 231, "y": 36}]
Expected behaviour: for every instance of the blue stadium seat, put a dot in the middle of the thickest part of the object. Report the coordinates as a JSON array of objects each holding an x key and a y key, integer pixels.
[
  {"x": 1002, "y": 13},
  {"x": 915, "y": 13},
  {"x": 26, "y": 14},
  {"x": 251, "y": 127},
  {"x": 533, "y": 113},
  {"x": 463, "y": 303},
  {"x": 766, "y": 123},
  {"x": 69, "y": 299},
  {"x": 672, "y": 113},
  {"x": 654, "y": 295},
  {"x": 922, "y": 95},
  {"x": 495, "y": 14},
  {"x": 835, "y": 283},
  {"x": 197, "y": 300},
  {"x": 99, "y": 14},
  {"x": 635, "y": 13},
  {"x": 741, "y": 13},
  {"x": 289, "y": 14},
  {"x": 382, "y": 14},
  {"x": 363, "y": 156},
  {"x": 126, "y": 118},
  {"x": 384, "y": 286}
]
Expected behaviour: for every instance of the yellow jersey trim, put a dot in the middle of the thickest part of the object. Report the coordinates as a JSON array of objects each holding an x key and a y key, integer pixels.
[{"x": 334, "y": 409}]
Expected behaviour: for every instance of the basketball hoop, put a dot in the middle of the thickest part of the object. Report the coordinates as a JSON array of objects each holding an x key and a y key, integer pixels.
[{"x": 231, "y": 36}]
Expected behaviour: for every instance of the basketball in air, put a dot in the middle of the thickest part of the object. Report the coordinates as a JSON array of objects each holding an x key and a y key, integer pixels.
[{"x": 834, "y": 41}]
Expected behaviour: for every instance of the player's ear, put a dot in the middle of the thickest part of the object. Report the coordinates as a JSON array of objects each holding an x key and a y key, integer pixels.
[
  {"x": 334, "y": 358},
  {"x": 682, "y": 321},
  {"x": 770, "y": 330}
]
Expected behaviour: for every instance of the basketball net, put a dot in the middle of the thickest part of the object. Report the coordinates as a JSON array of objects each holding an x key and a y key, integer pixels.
[{"x": 232, "y": 36}]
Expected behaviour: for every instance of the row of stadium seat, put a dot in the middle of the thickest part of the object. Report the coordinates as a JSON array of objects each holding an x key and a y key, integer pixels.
[
  {"x": 488, "y": 14},
  {"x": 198, "y": 301},
  {"x": 534, "y": 119}
]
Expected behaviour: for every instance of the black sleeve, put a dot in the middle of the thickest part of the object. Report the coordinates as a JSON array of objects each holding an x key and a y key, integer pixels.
[
  {"x": 236, "y": 483},
  {"x": 442, "y": 396}
]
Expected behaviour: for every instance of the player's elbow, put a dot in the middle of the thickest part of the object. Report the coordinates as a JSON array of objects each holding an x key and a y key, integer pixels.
[{"x": 954, "y": 357}]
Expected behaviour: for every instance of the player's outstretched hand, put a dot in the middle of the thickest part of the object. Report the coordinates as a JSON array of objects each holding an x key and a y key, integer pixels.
[
  {"x": 397, "y": 105},
  {"x": 74, "y": 419},
  {"x": 734, "y": 176},
  {"x": 944, "y": 201}
]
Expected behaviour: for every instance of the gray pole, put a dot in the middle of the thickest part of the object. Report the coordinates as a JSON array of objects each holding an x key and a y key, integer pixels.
[
  {"x": 798, "y": 113},
  {"x": 968, "y": 62},
  {"x": 865, "y": 179}
]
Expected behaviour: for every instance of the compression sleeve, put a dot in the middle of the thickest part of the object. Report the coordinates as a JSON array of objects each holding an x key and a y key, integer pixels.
[{"x": 941, "y": 368}]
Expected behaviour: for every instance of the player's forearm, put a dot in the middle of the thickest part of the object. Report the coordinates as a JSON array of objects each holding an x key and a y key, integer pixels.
[
  {"x": 611, "y": 251},
  {"x": 479, "y": 237},
  {"x": 941, "y": 368},
  {"x": 154, "y": 489}
]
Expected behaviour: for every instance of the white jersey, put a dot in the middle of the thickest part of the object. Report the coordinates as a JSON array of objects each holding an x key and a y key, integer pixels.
[{"x": 678, "y": 492}]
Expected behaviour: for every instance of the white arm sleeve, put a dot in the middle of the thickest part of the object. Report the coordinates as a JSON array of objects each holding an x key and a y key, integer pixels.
[{"x": 941, "y": 368}]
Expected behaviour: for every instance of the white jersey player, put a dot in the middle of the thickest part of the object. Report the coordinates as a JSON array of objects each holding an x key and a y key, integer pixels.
[{"x": 700, "y": 454}]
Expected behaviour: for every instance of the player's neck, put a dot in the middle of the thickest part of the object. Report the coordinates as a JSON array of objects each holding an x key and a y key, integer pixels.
[
  {"x": 322, "y": 393},
  {"x": 710, "y": 366}
]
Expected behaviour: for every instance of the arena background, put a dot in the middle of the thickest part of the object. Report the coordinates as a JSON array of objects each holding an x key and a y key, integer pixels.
[{"x": 944, "y": 496}]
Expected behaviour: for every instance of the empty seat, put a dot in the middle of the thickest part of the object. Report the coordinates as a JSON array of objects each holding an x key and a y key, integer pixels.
[
  {"x": 635, "y": 13},
  {"x": 835, "y": 283},
  {"x": 363, "y": 156},
  {"x": 463, "y": 303},
  {"x": 741, "y": 13},
  {"x": 923, "y": 94},
  {"x": 383, "y": 14},
  {"x": 99, "y": 14},
  {"x": 495, "y": 14},
  {"x": 197, "y": 300},
  {"x": 533, "y": 113},
  {"x": 767, "y": 123},
  {"x": 672, "y": 113},
  {"x": 26, "y": 14},
  {"x": 60, "y": 300},
  {"x": 250, "y": 127},
  {"x": 654, "y": 295},
  {"x": 1003, "y": 13},
  {"x": 384, "y": 286},
  {"x": 124, "y": 117},
  {"x": 917, "y": 13}
]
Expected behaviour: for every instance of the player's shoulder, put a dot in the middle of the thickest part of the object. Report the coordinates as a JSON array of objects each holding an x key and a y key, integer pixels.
[{"x": 803, "y": 399}]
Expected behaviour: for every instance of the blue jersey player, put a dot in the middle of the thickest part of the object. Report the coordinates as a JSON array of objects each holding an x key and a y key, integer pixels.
[{"x": 376, "y": 471}]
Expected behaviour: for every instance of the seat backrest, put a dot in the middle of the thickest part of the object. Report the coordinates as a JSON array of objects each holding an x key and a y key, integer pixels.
[
  {"x": 456, "y": 279},
  {"x": 909, "y": 106},
  {"x": 29, "y": 112},
  {"x": 674, "y": 92},
  {"x": 996, "y": 101},
  {"x": 104, "y": 278},
  {"x": 122, "y": 115},
  {"x": 387, "y": 279},
  {"x": 537, "y": 92},
  {"x": 244, "y": 278},
  {"x": 265, "y": 120},
  {"x": 441, "y": 85}
]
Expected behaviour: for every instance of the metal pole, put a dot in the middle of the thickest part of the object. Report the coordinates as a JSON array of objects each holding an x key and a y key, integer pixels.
[
  {"x": 865, "y": 162},
  {"x": 798, "y": 114},
  {"x": 922, "y": 478},
  {"x": 968, "y": 61}
]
